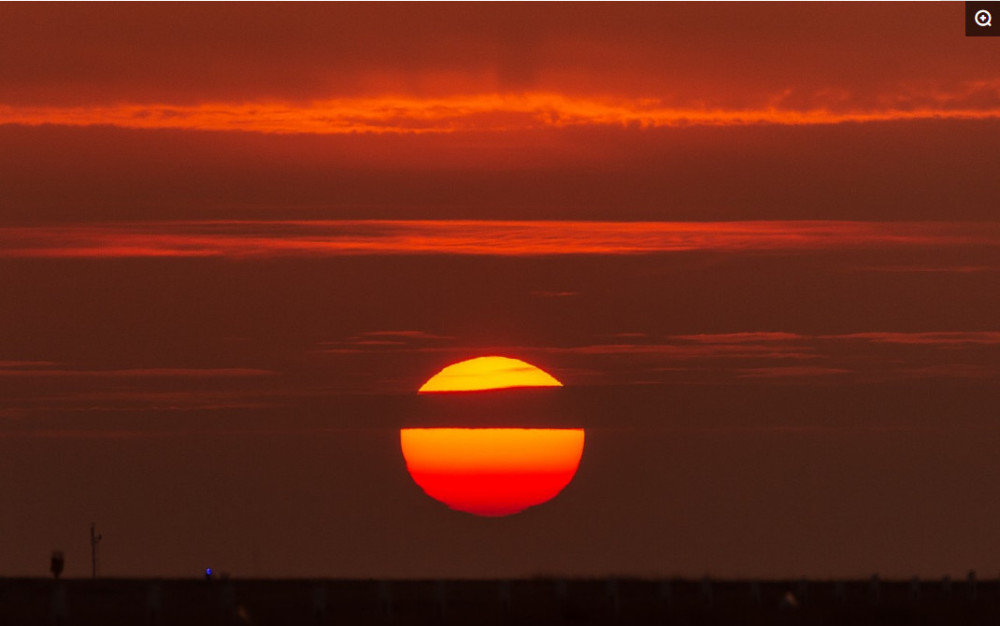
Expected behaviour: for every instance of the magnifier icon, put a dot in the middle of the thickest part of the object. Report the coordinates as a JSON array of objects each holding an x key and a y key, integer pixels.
[{"x": 983, "y": 18}]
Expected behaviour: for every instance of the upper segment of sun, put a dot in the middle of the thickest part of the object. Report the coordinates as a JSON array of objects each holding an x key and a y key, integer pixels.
[{"x": 488, "y": 372}]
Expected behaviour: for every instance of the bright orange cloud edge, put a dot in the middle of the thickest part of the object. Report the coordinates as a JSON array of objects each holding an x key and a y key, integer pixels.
[{"x": 475, "y": 112}]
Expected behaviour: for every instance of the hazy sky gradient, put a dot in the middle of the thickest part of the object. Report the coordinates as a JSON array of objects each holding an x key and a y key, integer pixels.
[{"x": 758, "y": 244}]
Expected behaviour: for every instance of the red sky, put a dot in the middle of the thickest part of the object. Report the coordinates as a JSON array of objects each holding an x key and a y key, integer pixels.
[{"x": 757, "y": 242}]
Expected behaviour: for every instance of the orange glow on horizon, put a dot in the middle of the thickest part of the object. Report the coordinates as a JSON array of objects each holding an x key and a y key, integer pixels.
[
  {"x": 488, "y": 372},
  {"x": 492, "y": 472}
]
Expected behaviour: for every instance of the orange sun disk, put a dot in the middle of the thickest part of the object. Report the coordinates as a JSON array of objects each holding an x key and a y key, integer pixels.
[{"x": 491, "y": 471}]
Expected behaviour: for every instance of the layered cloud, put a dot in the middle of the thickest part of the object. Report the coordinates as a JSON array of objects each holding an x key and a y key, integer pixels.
[
  {"x": 358, "y": 69},
  {"x": 390, "y": 364},
  {"x": 638, "y": 358},
  {"x": 248, "y": 239}
]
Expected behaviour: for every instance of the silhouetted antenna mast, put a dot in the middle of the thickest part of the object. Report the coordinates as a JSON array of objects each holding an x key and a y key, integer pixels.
[{"x": 94, "y": 540}]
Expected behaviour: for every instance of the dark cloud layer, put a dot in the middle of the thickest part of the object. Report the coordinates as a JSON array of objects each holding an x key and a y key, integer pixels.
[
  {"x": 719, "y": 53},
  {"x": 905, "y": 171}
]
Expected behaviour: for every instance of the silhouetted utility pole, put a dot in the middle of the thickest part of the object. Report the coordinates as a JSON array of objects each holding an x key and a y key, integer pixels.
[
  {"x": 57, "y": 563},
  {"x": 94, "y": 539}
]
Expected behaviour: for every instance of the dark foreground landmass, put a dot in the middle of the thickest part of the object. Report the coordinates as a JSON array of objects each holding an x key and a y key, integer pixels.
[{"x": 110, "y": 602}]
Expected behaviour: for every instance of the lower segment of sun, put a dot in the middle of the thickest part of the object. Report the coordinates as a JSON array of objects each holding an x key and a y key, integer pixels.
[{"x": 492, "y": 472}]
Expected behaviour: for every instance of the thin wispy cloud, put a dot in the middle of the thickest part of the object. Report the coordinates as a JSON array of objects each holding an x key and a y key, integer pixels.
[
  {"x": 121, "y": 433},
  {"x": 109, "y": 402},
  {"x": 673, "y": 351},
  {"x": 393, "y": 340},
  {"x": 790, "y": 372},
  {"x": 695, "y": 351},
  {"x": 928, "y": 338},
  {"x": 135, "y": 373},
  {"x": 953, "y": 370},
  {"x": 78, "y": 433},
  {"x": 555, "y": 294},
  {"x": 254, "y": 239},
  {"x": 761, "y": 357},
  {"x": 929, "y": 269},
  {"x": 406, "y": 334},
  {"x": 757, "y": 355},
  {"x": 767, "y": 344},
  {"x": 12, "y": 364},
  {"x": 750, "y": 337}
]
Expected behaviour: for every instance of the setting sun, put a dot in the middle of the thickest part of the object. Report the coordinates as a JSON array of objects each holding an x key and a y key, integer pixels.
[
  {"x": 483, "y": 312},
  {"x": 492, "y": 471}
]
